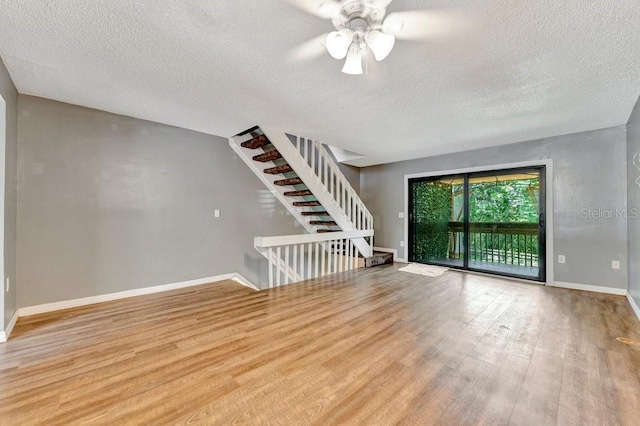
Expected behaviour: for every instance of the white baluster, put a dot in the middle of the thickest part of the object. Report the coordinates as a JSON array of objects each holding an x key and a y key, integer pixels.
[
  {"x": 295, "y": 258},
  {"x": 278, "y": 266},
  {"x": 317, "y": 263},
  {"x": 270, "y": 258},
  {"x": 355, "y": 256},
  {"x": 309, "y": 260},
  {"x": 326, "y": 175},
  {"x": 350, "y": 255},
  {"x": 301, "y": 251},
  {"x": 286, "y": 265},
  {"x": 313, "y": 156}
]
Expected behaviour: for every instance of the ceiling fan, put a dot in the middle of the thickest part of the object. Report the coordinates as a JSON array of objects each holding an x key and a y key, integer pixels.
[{"x": 360, "y": 27}]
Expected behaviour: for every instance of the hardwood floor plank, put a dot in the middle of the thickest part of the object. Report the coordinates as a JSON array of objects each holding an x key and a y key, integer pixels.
[
  {"x": 371, "y": 346},
  {"x": 540, "y": 393},
  {"x": 498, "y": 395},
  {"x": 581, "y": 399}
]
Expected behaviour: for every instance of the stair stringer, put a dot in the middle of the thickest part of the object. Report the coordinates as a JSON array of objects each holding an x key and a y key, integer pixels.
[
  {"x": 278, "y": 191},
  {"x": 283, "y": 144}
]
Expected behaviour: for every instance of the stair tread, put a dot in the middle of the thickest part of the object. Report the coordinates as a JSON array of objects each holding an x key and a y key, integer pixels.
[
  {"x": 267, "y": 156},
  {"x": 285, "y": 168},
  {"x": 318, "y": 213},
  {"x": 257, "y": 142},
  {"x": 288, "y": 181},
  {"x": 307, "y": 204},
  {"x": 300, "y": 193},
  {"x": 323, "y": 222}
]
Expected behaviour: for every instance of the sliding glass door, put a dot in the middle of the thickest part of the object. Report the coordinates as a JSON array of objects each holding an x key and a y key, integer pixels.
[{"x": 489, "y": 222}]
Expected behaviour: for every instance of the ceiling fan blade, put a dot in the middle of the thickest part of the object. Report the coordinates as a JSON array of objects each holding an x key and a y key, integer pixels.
[
  {"x": 310, "y": 49},
  {"x": 324, "y": 9},
  {"x": 422, "y": 24},
  {"x": 378, "y": 3}
]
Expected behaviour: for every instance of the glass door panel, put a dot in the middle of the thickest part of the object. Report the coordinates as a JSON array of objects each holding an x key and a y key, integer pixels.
[
  {"x": 436, "y": 221},
  {"x": 504, "y": 222}
]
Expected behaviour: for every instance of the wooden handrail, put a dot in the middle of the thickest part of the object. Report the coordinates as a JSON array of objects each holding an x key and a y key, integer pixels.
[{"x": 513, "y": 228}]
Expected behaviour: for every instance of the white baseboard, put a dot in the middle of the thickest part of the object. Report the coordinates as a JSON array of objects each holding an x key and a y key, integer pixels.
[
  {"x": 633, "y": 304},
  {"x": 401, "y": 260},
  {"x": 67, "y": 304},
  {"x": 593, "y": 288},
  {"x": 4, "y": 335},
  {"x": 388, "y": 250}
]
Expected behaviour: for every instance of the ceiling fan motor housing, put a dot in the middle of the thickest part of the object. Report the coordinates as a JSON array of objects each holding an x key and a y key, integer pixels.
[{"x": 359, "y": 16}]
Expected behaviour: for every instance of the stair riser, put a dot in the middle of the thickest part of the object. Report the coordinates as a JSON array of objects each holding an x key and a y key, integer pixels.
[{"x": 378, "y": 259}]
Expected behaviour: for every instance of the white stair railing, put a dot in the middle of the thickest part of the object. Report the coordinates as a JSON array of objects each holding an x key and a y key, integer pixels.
[
  {"x": 294, "y": 258},
  {"x": 328, "y": 174},
  {"x": 323, "y": 178}
]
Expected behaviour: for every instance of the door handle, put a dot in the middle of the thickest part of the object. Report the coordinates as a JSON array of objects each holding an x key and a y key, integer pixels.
[{"x": 541, "y": 219}]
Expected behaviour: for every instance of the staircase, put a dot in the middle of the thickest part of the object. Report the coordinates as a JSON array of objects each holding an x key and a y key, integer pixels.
[{"x": 305, "y": 179}]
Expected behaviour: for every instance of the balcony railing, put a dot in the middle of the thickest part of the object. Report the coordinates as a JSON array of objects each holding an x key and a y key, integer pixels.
[{"x": 505, "y": 243}]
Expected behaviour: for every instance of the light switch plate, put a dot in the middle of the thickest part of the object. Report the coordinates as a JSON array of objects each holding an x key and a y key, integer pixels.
[
  {"x": 615, "y": 264},
  {"x": 216, "y": 213},
  {"x": 401, "y": 215},
  {"x": 561, "y": 258}
]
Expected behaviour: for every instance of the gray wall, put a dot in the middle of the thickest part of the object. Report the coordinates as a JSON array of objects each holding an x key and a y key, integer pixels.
[
  {"x": 109, "y": 203},
  {"x": 633, "y": 147},
  {"x": 589, "y": 173},
  {"x": 350, "y": 172},
  {"x": 10, "y": 95}
]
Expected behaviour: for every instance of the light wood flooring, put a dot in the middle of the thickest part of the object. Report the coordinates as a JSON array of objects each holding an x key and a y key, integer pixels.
[{"x": 373, "y": 347}]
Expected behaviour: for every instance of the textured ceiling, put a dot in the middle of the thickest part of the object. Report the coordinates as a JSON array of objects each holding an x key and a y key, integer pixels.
[{"x": 494, "y": 72}]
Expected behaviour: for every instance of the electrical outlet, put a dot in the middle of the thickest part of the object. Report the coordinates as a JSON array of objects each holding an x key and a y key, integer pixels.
[
  {"x": 615, "y": 264},
  {"x": 8, "y": 284},
  {"x": 401, "y": 215},
  {"x": 216, "y": 213},
  {"x": 401, "y": 243},
  {"x": 561, "y": 258}
]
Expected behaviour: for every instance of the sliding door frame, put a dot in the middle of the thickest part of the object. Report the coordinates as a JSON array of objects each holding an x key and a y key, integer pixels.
[{"x": 546, "y": 180}]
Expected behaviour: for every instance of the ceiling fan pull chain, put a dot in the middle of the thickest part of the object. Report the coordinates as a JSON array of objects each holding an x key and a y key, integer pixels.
[{"x": 366, "y": 61}]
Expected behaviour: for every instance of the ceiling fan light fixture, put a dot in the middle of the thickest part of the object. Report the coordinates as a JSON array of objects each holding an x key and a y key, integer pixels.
[
  {"x": 338, "y": 43},
  {"x": 353, "y": 64},
  {"x": 380, "y": 44}
]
